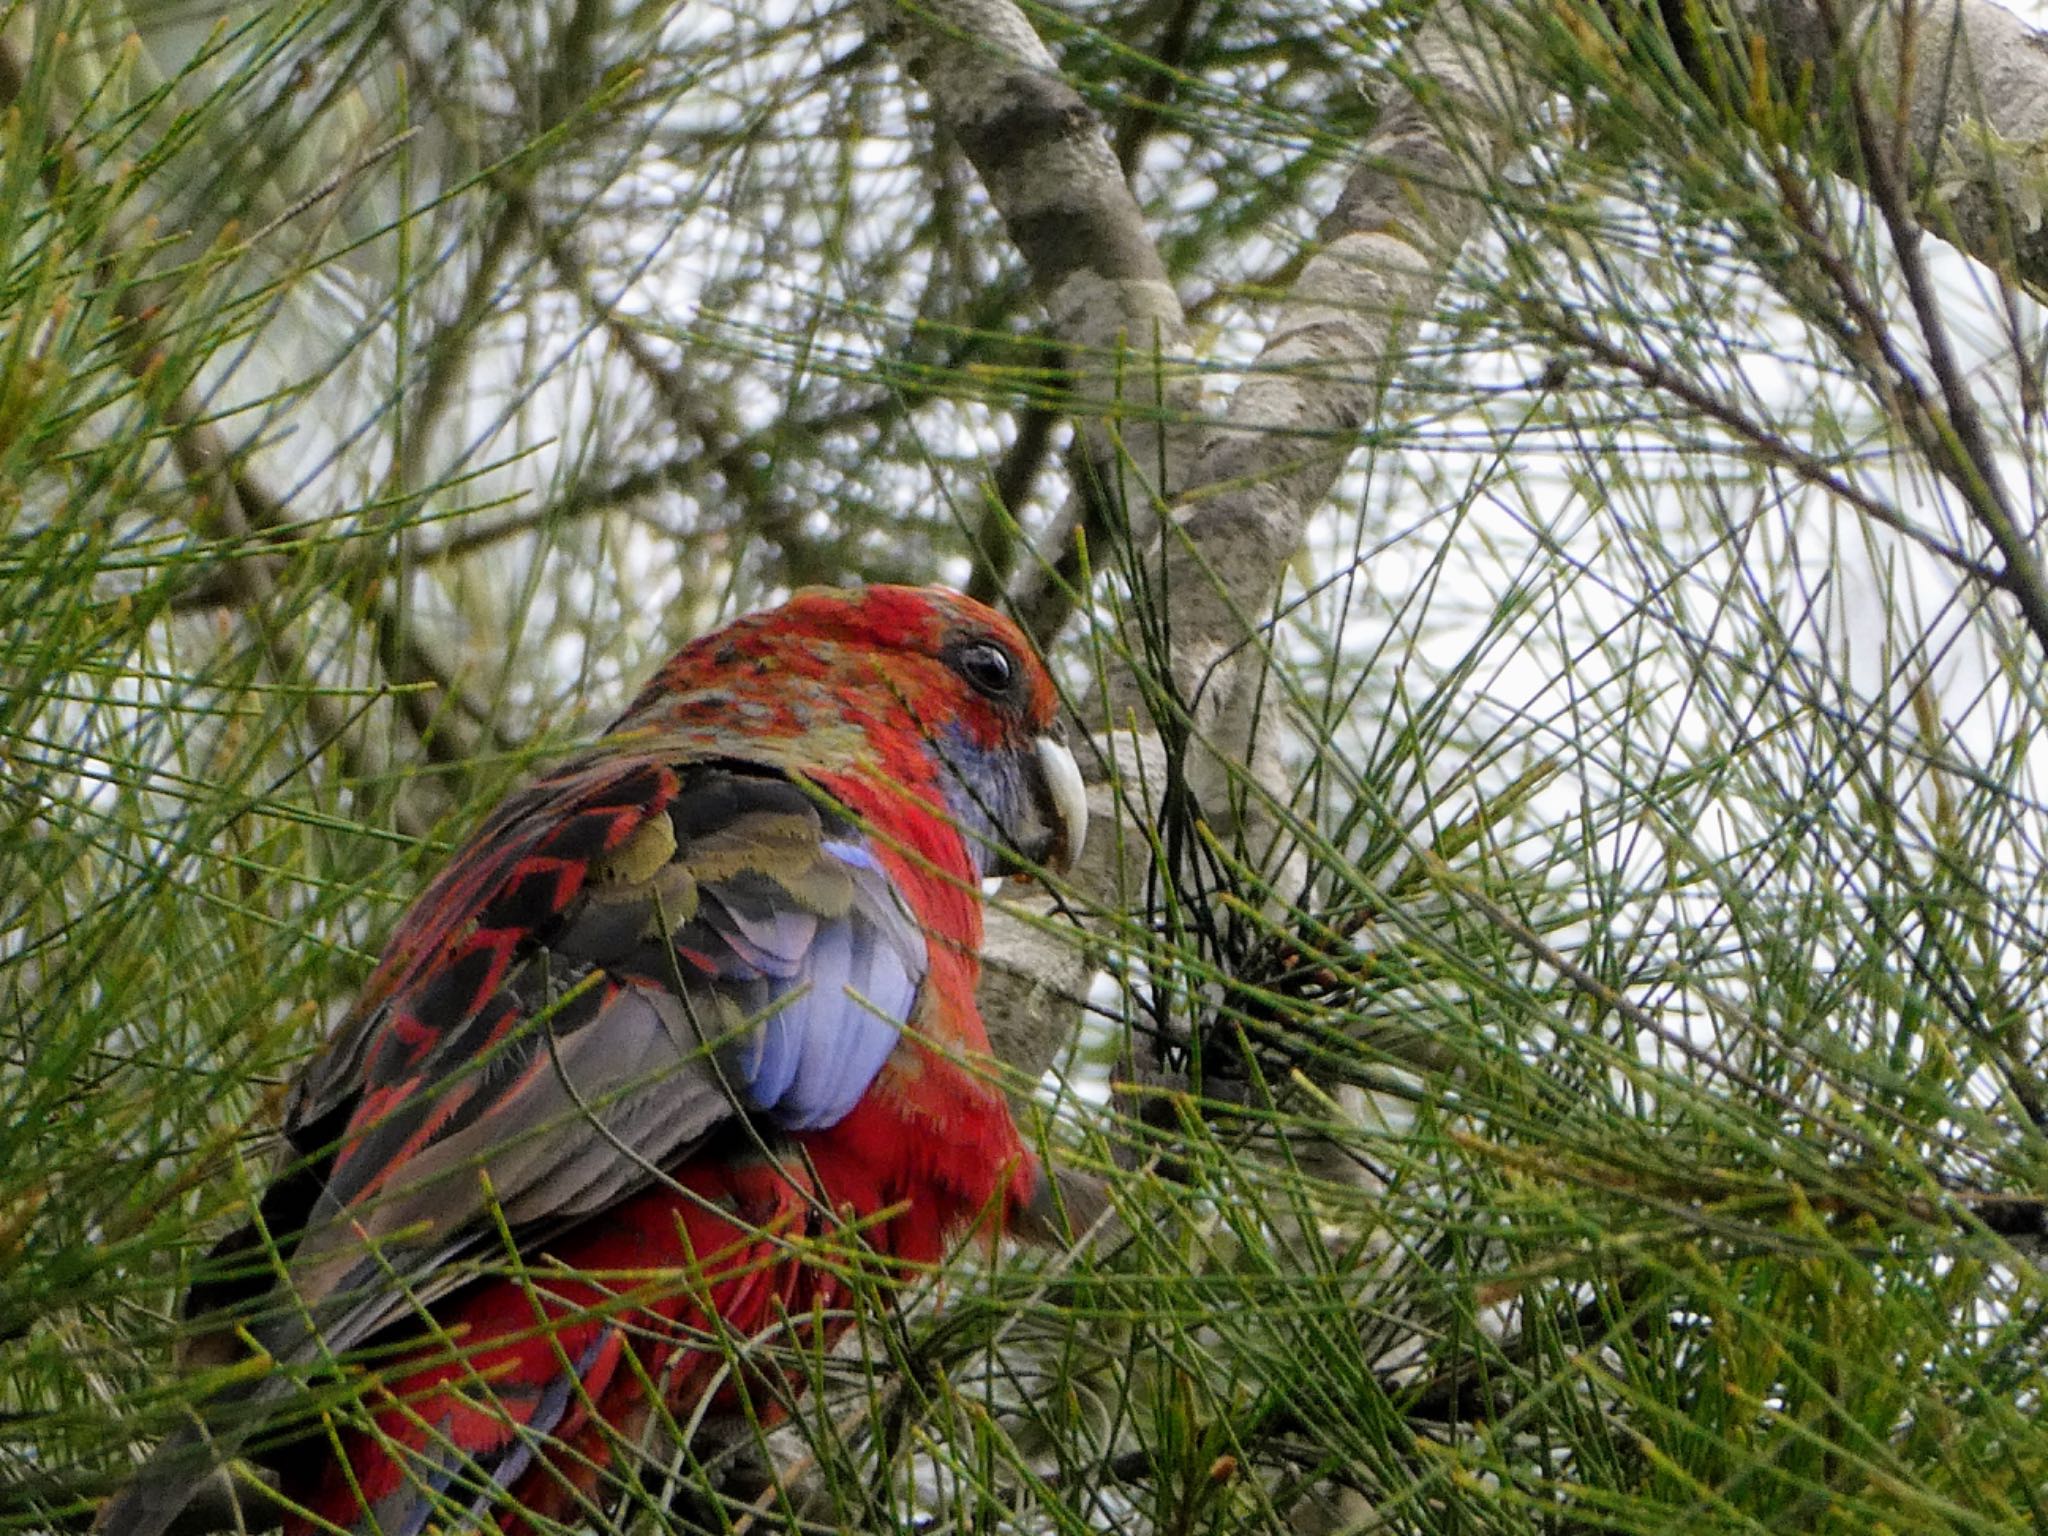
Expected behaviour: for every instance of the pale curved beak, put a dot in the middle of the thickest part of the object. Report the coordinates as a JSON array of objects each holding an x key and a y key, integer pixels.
[{"x": 1066, "y": 803}]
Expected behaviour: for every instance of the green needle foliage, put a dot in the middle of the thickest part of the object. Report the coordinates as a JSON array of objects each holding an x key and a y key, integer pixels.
[{"x": 1585, "y": 1075}]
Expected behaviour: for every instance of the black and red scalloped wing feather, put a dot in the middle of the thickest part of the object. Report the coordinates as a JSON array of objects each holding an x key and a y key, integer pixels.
[{"x": 628, "y": 953}]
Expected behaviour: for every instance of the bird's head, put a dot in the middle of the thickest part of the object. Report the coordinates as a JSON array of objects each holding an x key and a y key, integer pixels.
[{"x": 880, "y": 672}]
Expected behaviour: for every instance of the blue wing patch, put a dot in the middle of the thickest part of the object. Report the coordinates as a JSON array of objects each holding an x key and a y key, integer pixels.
[{"x": 832, "y": 993}]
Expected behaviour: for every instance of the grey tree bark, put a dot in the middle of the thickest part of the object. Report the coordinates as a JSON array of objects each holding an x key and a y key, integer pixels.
[
  {"x": 1969, "y": 82},
  {"x": 1236, "y": 488}
]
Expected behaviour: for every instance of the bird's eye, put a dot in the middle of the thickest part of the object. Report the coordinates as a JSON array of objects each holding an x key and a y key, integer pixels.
[{"x": 987, "y": 667}]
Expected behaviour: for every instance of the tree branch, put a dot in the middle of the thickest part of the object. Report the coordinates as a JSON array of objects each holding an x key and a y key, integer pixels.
[
  {"x": 1250, "y": 484},
  {"x": 1045, "y": 159},
  {"x": 1973, "y": 109}
]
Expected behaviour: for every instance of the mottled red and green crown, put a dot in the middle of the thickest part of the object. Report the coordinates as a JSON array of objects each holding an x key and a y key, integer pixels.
[{"x": 925, "y": 688}]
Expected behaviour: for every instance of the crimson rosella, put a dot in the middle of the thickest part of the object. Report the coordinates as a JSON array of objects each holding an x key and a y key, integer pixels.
[{"x": 677, "y": 1013}]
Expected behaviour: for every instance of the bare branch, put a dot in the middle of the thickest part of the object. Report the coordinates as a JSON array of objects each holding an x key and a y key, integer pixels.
[{"x": 1046, "y": 161}]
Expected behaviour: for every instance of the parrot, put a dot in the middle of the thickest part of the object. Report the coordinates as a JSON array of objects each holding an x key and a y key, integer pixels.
[{"x": 682, "y": 1012}]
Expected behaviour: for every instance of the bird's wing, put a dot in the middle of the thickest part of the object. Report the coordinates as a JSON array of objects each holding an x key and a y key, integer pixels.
[{"x": 629, "y": 953}]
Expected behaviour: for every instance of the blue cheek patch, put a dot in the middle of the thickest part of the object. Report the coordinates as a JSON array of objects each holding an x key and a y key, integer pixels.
[{"x": 984, "y": 791}]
